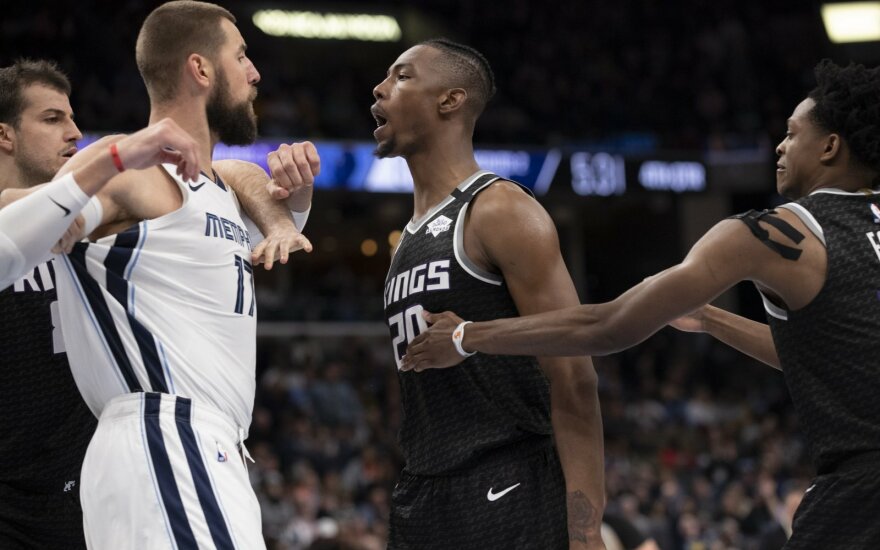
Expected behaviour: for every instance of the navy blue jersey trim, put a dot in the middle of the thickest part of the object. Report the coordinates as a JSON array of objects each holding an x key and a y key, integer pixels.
[
  {"x": 218, "y": 181},
  {"x": 207, "y": 498},
  {"x": 171, "y": 500},
  {"x": 99, "y": 307},
  {"x": 117, "y": 262}
]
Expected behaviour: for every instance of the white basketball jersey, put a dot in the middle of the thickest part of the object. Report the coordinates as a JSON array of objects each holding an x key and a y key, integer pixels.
[{"x": 166, "y": 306}]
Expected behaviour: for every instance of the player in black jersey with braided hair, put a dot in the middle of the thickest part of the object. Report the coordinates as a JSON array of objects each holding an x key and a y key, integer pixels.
[
  {"x": 502, "y": 452},
  {"x": 46, "y": 425},
  {"x": 816, "y": 263}
]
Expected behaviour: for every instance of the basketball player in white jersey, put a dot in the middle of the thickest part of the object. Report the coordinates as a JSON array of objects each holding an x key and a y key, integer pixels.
[{"x": 159, "y": 313}]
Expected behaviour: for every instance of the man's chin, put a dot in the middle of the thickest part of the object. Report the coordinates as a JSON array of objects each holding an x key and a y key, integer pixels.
[{"x": 384, "y": 150}]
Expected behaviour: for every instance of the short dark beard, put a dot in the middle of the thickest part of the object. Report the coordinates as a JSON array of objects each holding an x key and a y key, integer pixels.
[
  {"x": 384, "y": 149},
  {"x": 32, "y": 174},
  {"x": 233, "y": 124}
]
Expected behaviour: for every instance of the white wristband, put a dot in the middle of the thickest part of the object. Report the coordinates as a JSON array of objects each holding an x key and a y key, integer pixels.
[
  {"x": 300, "y": 218},
  {"x": 458, "y": 336}
]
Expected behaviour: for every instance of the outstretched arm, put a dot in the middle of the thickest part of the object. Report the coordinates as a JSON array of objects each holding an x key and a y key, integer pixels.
[
  {"x": 280, "y": 220},
  {"x": 727, "y": 254},
  {"x": 509, "y": 230},
  {"x": 31, "y": 226},
  {"x": 747, "y": 336}
]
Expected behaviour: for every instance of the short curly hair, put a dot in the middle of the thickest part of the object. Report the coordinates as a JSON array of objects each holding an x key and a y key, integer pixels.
[{"x": 848, "y": 103}]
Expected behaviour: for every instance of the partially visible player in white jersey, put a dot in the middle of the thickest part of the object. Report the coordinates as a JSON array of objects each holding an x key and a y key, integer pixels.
[{"x": 158, "y": 310}]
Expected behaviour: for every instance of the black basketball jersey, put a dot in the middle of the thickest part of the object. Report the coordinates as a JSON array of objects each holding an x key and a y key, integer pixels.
[
  {"x": 451, "y": 417},
  {"x": 830, "y": 349},
  {"x": 45, "y": 425}
]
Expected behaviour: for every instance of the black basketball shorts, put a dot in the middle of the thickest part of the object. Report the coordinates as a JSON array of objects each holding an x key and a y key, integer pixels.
[
  {"x": 31, "y": 520},
  {"x": 841, "y": 509},
  {"x": 512, "y": 500}
]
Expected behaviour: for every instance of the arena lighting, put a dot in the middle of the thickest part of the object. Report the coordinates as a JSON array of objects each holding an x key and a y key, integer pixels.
[
  {"x": 328, "y": 26},
  {"x": 852, "y": 21},
  {"x": 677, "y": 177}
]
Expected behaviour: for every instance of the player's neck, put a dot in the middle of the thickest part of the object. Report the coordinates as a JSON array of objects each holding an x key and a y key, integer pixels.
[
  {"x": 194, "y": 122},
  {"x": 851, "y": 179},
  {"x": 437, "y": 171}
]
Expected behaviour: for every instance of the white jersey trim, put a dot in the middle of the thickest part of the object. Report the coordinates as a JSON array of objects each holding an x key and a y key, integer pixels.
[
  {"x": 772, "y": 309},
  {"x": 414, "y": 226},
  {"x": 461, "y": 256},
  {"x": 832, "y": 191},
  {"x": 807, "y": 218}
]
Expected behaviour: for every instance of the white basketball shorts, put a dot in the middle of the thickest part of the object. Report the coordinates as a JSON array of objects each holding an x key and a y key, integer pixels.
[{"x": 163, "y": 472}]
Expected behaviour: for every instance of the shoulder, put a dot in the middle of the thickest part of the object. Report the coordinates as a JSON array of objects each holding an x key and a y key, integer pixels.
[
  {"x": 233, "y": 170},
  {"x": 504, "y": 204},
  {"x": 510, "y": 226}
]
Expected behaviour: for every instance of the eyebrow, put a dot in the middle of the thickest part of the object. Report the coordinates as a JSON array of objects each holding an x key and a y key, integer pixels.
[
  {"x": 52, "y": 111},
  {"x": 242, "y": 48},
  {"x": 397, "y": 67}
]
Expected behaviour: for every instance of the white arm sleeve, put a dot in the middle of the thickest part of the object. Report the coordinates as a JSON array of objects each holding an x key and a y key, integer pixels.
[
  {"x": 30, "y": 227},
  {"x": 93, "y": 214}
]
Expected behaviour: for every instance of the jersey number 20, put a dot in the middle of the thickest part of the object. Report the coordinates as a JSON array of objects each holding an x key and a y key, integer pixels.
[{"x": 407, "y": 325}]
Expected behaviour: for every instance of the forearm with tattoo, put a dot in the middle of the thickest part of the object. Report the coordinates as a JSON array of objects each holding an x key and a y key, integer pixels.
[{"x": 582, "y": 517}]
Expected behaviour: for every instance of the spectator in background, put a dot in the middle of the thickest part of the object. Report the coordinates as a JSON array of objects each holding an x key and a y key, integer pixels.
[
  {"x": 620, "y": 534},
  {"x": 776, "y": 534}
]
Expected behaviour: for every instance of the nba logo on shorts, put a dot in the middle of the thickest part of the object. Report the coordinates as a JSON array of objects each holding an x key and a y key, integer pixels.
[{"x": 221, "y": 454}]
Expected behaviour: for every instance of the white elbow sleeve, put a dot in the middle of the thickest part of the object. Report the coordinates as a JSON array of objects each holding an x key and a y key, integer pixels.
[
  {"x": 92, "y": 214},
  {"x": 32, "y": 225}
]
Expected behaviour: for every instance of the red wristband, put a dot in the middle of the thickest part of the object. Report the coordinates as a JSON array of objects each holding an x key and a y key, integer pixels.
[{"x": 114, "y": 152}]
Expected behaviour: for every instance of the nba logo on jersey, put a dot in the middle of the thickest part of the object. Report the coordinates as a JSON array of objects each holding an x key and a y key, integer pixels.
[
  {"x": 876, "y": 211},
  {"x": 441, "y": 224}
]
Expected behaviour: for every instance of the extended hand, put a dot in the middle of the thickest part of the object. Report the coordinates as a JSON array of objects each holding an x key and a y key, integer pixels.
[
  {"x": 433, "y": 349},
  {"x": 163, "y": 142},
  {"x": 279, "y": 244},
  {"x": 293, "y": 169}
]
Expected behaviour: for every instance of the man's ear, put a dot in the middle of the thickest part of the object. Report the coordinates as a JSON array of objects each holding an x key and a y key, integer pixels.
[
  {"x": 198, "y": 71},
  {"x": 831, "y": 147},
  {"x": 7, "y": 138},
  {"x": 452, "y": 100}
]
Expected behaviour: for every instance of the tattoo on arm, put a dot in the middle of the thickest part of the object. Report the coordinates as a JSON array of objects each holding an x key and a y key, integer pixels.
[{"x": 581, "y": 516}]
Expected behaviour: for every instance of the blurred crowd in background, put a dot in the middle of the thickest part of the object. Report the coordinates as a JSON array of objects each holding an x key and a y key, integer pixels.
[
  {"x": 640, "y": 74},
  {"x": 702, "y": 448}
]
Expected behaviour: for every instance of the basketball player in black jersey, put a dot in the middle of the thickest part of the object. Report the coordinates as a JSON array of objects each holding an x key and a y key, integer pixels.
[
  {"x": 816, "y": 262},
  {"x": 46, "y": 425},
  {"x": 502, "y": 452}
]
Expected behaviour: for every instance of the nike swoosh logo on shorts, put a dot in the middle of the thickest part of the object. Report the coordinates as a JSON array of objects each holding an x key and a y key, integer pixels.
[
  {"x": 495, "y": 496},
  {"x": 196, "y": 187}
]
